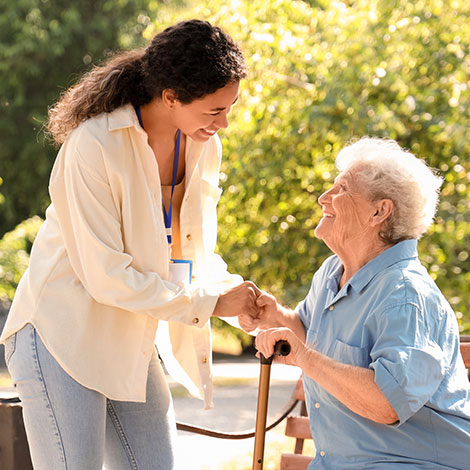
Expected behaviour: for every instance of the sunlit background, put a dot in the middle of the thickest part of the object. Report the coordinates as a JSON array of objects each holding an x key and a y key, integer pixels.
[{"x": 320, "y": 73}]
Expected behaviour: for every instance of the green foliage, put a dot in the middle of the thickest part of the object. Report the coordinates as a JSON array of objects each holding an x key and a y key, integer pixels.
[
  {"x": 44, "y": 46},
  {"x": 320, "y": 73},
  {"x": 319, "y": 76},
  {"x": 15, "y": 247}
]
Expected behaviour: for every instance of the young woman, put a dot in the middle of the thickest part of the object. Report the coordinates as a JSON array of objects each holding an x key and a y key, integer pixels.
[{"x": 128, "y": 242}]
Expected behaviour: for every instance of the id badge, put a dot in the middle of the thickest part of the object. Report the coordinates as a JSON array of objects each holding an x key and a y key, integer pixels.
[{"x": 180, "y": 270}]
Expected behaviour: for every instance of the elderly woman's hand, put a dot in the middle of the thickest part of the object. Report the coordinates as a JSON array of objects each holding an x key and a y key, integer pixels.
[
  {"x": 269, "y": 314},
  {"x": 266, "y": 340},
  {"x": 240, "y": 300}
]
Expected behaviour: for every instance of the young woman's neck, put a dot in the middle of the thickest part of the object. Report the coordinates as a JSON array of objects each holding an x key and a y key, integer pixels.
[{"x": 157, "y": 121}]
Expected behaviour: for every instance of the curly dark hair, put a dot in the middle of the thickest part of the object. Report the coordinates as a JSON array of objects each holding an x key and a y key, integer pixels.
[{"x": 192, "y": 58}]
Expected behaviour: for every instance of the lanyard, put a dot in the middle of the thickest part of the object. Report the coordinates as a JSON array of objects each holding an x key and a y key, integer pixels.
[
  {"x": 167, "y": 215},
  {"x": 139, "y": 116}
]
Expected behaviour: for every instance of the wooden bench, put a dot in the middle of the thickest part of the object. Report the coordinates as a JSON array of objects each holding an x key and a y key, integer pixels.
[{"x": 298, "y": 426}]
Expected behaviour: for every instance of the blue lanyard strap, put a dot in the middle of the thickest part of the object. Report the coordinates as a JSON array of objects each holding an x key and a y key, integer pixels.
[
  {"x": 167, "y": 215},
  {"x": 139, "y": 116}
]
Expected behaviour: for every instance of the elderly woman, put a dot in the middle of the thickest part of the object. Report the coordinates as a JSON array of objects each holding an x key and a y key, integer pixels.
[{"x": 377, "y": 342}]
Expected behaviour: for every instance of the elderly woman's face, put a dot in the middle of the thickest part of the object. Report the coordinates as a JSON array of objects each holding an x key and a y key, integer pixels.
[{"x": 347, "y": 214}]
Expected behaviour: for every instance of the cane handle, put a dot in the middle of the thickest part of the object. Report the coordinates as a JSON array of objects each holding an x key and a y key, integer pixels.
[{"x": 281, "y": 348}]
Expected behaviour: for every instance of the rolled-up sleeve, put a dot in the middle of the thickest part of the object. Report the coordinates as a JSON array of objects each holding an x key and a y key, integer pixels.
[
  {"x": 408, "y": 362},
  {"x": 89, "y": 218}
]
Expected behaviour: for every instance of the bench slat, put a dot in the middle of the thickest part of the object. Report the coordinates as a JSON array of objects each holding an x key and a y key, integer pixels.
[
  {"x": 465, "y": 350},
  {"x": 299, "y": 390},
  {"x": 295, "y": 462},
  {"x": 298, "y": 426}
]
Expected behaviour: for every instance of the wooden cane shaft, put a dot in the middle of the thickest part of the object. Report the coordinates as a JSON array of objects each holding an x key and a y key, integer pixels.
[{"x": 261, "y": 415}]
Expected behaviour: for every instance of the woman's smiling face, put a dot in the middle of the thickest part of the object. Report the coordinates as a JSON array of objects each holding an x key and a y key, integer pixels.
[
  {"x": 347, "y": 214},
  {"x": 202, "y": 118}
]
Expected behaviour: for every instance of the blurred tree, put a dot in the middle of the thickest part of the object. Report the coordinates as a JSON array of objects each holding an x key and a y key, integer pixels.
[
  {"x": 15, "y": 247},
  {"x": 318, "y": 76},
  {"x": 44, "y": 46},
  {"x": 320, "y": 73}
]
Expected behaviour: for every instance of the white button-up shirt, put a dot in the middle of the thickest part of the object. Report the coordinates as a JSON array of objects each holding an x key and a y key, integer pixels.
[{"x": 96, "y": 288}]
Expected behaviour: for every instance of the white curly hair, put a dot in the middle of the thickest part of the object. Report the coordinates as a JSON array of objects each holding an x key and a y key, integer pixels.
[{"x": 386, "y": 171}]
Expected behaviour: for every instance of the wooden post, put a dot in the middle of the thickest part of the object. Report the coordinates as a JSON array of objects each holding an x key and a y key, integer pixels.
[{"x": 14, "y": 449}]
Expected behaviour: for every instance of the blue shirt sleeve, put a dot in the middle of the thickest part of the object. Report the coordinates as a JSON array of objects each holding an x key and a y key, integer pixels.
[{"x": 408, "y": 360}]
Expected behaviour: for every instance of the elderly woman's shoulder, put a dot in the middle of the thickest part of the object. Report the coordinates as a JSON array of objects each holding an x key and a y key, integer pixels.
[
  {"x": 409, "y": 282},
  {"x": 406, "y": 275}
]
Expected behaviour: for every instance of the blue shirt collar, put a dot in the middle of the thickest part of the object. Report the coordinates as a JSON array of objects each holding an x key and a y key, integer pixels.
[
  {"x": 404, "y": 250},
  {"x": 401, "y": 251}
]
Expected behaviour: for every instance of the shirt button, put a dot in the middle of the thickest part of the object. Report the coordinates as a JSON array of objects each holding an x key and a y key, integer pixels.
[
  {"x": 189, "y": 236},
  {"x": 204, "y": 360},
  {"x": 196, "y": 320},
  {"x": 322, "y": 453},
  {"x": 317, "y": 405},
  {"x": 332, "y": 307}
]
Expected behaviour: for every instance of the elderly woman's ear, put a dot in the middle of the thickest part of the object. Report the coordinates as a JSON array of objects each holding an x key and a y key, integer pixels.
[{"x": 383, "y": 210}]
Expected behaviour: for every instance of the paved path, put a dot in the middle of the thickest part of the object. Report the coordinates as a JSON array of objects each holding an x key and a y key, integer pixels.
[{"x": 234, "y": 411}]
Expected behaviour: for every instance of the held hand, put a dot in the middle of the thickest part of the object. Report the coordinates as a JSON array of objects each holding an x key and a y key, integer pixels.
[
  {"x": 240, "y": 300},
  {"x": 248, "y": 323},
  {"x": 266, "y": 340},
  {"x": 269, "y": 315},
  {"x": 270, "y": 311}
]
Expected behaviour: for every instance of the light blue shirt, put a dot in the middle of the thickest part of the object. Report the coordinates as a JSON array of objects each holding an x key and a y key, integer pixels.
[{"x": 389, "y": 317}]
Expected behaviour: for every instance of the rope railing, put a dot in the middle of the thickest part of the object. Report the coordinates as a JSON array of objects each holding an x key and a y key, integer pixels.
[
  {"x": 290, "y": 405},
  {"x": 288, "y": 408}
]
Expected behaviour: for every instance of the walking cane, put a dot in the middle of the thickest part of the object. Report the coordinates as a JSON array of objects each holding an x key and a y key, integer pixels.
[{"x": 281, "y": 348}]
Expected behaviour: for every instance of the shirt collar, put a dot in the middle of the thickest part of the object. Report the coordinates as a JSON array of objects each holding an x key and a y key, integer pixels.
[
  {"x": 125, "y": 117},
  {"x": 332, "y": 282},
  {"x": 404, "y": 250},
  {"x": 122, "y": 118}
]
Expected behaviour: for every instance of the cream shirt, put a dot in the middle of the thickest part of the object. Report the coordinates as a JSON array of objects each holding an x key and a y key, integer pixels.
[{"x": 96, "y": 287}]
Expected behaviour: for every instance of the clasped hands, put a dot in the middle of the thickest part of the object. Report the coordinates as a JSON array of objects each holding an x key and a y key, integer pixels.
[{"x": 259, "y": 310}]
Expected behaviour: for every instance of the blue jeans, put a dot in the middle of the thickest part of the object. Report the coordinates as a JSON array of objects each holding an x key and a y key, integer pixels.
[{"x": 70, "y": 427}]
